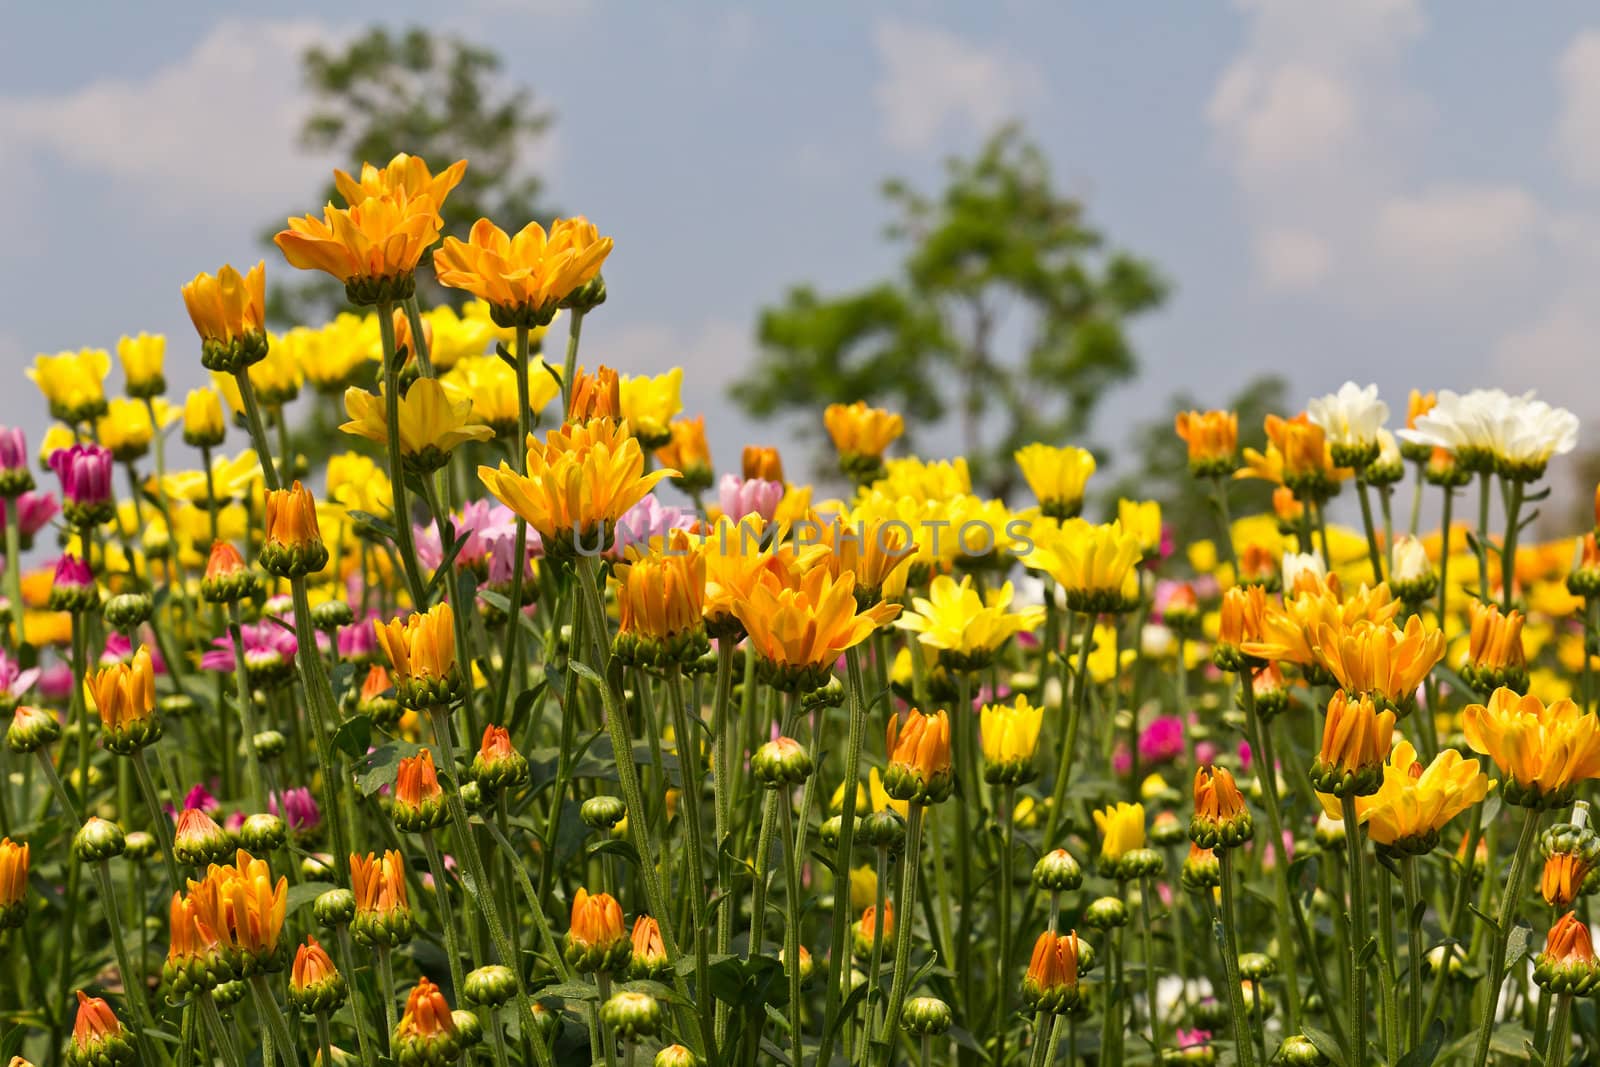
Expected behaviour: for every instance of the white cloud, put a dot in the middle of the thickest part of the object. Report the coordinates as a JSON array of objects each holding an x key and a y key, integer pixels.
[
  {"x": 1292, "y": 259},
  {"x": 1578, "y": 127},
  {"x": 934, "y": 81},
  {"x": 207, "y": 134},
  {"x": 1280, "y": 117},
  {"x": 1456, "y": 230}
]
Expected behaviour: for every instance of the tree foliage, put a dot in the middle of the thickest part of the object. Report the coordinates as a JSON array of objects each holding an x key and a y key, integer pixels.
[
  {"x": 1005, "y": 321},
  {"x": 432, "y": 96}
]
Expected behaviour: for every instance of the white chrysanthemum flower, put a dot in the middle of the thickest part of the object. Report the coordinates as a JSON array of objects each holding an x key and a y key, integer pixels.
[
  {"x": 1351, "y": 419},
  {"x": 1411, "y": 561},
  {"x": 1296, "y": 564},
  {"x": 1489, "y": 429}
]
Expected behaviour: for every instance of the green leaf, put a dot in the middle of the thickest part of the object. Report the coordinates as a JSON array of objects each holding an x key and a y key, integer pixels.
[
  {"x": 1326, "y": 1045},
  {"x": 372, "y": 525},
  {"x": 1428, "y": 1049},
  {"x": 304, "y": 893},
  {"x": 354, "y": 736},
  {"x": 381, "y": 765},
  {"x": 1516, "y": 946}
]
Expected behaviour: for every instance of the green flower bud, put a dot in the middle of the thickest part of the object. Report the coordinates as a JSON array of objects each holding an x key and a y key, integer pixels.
[
  {"x": 1202, "y": 871},
  {"x": 263, "y": 832},
  {"x": 602, "y": 812},
  {"x": 127, "y": 611},
  {"x": 884, "y": 829},
  {"x": 1257, "y": 966},
  {"x": 675, "y": 1056},
  {"x": 925, "y": 1015},
  {"x": 1106, "y": 913},
  {"x": 781, "y": 762},
  {"x": 1298, "y": 1051},
  {"x": 491, "y": 986},
  {"x": 269, "y": 745},
  {"x": 335, "y": 908},
  {"x": 1057, "y": 872},
  {"x": 469, "y": 1031},
  {"x": 31, "y": 729},
  {"x": 632, "y": 1015},
  {"x": 139, "y": 846},
  {"x": 330, "y": 615},
  {"x": 1139, "y": 863},
  {"x": 829, "y": 831},
  {"x": 98, "y": 840}
]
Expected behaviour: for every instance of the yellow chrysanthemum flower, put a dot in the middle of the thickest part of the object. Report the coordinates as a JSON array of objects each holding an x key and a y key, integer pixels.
[
  {"x": 432, "y": 424},
  {"x": 650, "y": 404},
  {"x": 967, "y": 628},
  {"x": 73, "y": 383},
  {"x": 1057, "y": 476}
]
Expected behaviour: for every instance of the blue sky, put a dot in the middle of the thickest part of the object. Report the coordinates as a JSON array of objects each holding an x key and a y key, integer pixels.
[{"x": 1388, "y": 190}]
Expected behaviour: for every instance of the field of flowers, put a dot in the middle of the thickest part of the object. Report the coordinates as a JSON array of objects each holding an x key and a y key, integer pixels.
[{"x": 471, "y": 745}]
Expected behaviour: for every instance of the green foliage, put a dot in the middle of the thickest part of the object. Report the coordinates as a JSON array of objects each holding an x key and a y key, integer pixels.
[
  {"x": 1158, "y": 460},
  {"x": 1007, "y": 316},
  {"x": 431, "y": 96}
]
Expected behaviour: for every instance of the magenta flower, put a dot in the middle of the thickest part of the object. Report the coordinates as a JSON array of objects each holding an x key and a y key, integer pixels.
[
  {"x": 85, "y": 473},
  {"x": 34, "y": 512},
  {"x": 475, "y": 520},
  {"x": 268, "y": 647},
  {"x": 119, "y": 649},
  {"x": 234, "y": 822},
  {"x": 72, "y": 573},
  {"x": 1193, "y": 1038},
  {"x": 55, "y": 682},
  {"x": 14, "y": 681},
  {"x": 358, "y": 642},
  {"x": 298, "y": 809},
  {"x": 1162, "y": 740},
  {"x": 200, "y": 797},
  {"x": 650, "y": 518},
  {"x": 739, "y": 497},
  {"x": 13, "y": 449}
]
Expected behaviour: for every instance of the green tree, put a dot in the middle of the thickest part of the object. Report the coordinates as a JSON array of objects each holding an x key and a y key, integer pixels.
[
  {"x": 431, "y": 96},
  {"x": 1158, "y": 467},
  {"x": 1006, "y": 319}
]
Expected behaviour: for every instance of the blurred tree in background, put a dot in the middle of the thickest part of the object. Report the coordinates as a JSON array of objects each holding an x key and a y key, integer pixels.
[
  {"x": 1007, "y": 318},
  {"x": 432, "y": 96},
  {"x": 1157, "y": 461}
]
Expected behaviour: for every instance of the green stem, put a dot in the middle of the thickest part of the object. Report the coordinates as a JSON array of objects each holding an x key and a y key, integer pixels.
[
  {"x": 628, "y": 778},
  {"x": 358, "y": 1007},
  {"x": 160, "y": 823},
  {"x": 758, "y": 900},
  {"x": 1064, "y": 761},
  {"x": 791, "y": 922},
  {"x": 1261, "y": 741},
  {"x": 904, "y": 902},
  {"x": 397, "y": 471},
  {"x": 258, "y": 431},
  {"x": 688, "y": 744},
  {"x": 475, "y": 878},
  {"x": 1374, "y": 554},
  {"x": 570, "y": 367},
  {"x": 323, "y": 713},
  {"x": 1243, "y": 1045},
  {"x": 722, "y": 803},
  {"x": 1502, "y": 932},
  {"x": 1414, "y": 949},
  {"x": 1508, "y": 553},
  {"x": 386, "y": 984},
  {"x": 1002, "y": 987},
  {"x": 1483, "y": 536},
  {"x": 541, "y": 924},
  {"x": 132, "y": 985},
  {"x": 221, "y": 1036},
  {"x": 247, "y": 709},
  {"x": 1357, "y": 910},
  {"x": 1560, "y": 1046},
  {"x": 838, "y": 960},
  {"x": 1146, "y": 891},
  {"x": 519, "y": 549},
  {"x": 1219, "y": 496},
  {"x": 14, "y": 570},
  {"x": 267, "y": 1006},
  {"x": 1389, "y": 977},
  {"x": 324, "y": 1039},
  {"x": 447, "y": 918}
]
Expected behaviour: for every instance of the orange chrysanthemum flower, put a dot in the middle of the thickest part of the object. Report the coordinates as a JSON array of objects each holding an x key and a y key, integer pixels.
[
  {"x": 919, "y": 757},
  {"x": 1213, "y": 440},
  {"x": 1379, "y": 659},
  {"x": 525, "y": 277},
  {"x": 422, "y": 656},
  {"x": 800, "y": 630},
  {"x": 1543, "y": 751}
]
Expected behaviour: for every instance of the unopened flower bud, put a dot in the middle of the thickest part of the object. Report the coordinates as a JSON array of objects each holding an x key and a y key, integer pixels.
[
  {"x": 315, "y": 985},
  {"x": 1106, "y": 913},
  {"x": 1137, "y": 863},
  {"x": 925, "y": 1016},
  {"x": 31, "y": 729},
  {"x": 127, "y": 611},
  {"x": 632, "y": 1015},
  {"x": 885, "y": 829},
  {"x": 1168, "y": 830},
  {"x": 781, "y": 762},
  {"x": 469, "y": 1031},
  {"x": 263, "y": 832},
  {"x": 602, "y": 812},
  {"x": 330, "y": 615},
  {"x": 98, "y": 840},
  {"x": 139, "y": 846},
  {"x": 490, "y": 986},
  {"x": 269, "y": 745},
  {"x": 497, "y": 764},
  {"x": 1202, "y": 871},
  {"x": 675, "y": 1056},
  {"x": 1257, "y": 966},
  {"x": 1057, "y": 872},
  {"x": 1298, "y": 1051},
  {"x": 829, "y": 831},
  {"x": 334, "y": 908},
  {"x": 227, "y": 994},
  {"x": 198, "y": 841}
]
